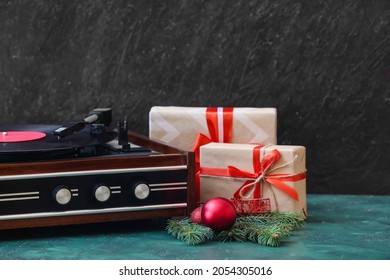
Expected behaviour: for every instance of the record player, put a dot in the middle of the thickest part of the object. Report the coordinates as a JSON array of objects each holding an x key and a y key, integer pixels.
[{"x": 86, "y": 172}]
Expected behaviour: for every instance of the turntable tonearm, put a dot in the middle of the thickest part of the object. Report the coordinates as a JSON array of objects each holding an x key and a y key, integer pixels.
[{"x": 84, "y": 172}]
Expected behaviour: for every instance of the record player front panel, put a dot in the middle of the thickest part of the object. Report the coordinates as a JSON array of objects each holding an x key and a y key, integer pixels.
[{"x": 92, "y": 192}]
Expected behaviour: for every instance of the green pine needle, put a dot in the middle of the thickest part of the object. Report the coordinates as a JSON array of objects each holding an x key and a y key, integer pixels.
[
  {"x": 270, "y": 229},
  {"x": 190, "y": 233},
  {"x": 272, "y": 235},
  {"x": 292, "y": 219},
  {"x": 234, "y": 234}
]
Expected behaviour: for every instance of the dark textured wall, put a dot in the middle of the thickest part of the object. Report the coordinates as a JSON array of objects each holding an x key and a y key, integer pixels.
[{"x": 324, "y": 64}]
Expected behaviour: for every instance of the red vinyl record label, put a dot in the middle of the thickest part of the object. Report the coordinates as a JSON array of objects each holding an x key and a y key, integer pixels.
[{"x": 20, "y": 136}]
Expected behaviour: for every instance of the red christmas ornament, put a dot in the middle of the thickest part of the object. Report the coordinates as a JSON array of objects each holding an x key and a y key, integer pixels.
[
  {"x": 219, "y": 214},
  {"x": 196, "y": 216}
]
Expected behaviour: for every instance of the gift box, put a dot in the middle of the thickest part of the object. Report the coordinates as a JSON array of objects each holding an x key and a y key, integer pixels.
[
  {"x": 270, "y": 174},
  {"x": 188, "y": 128}
]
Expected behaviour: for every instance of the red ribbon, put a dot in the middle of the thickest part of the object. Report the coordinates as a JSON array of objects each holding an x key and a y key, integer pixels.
[
  {"x": 212, "y": 121},
  {"x": 212, "y": 125},
  {"x": 261, "y": 169}
]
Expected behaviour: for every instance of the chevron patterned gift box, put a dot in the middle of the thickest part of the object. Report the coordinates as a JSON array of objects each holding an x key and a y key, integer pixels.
[{"x": 188, "y": 128}]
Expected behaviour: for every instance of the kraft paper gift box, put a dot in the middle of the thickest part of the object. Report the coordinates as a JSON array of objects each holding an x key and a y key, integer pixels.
[
  {"x": 276, "y": 173},
  {"x": 188, "y": 127}
]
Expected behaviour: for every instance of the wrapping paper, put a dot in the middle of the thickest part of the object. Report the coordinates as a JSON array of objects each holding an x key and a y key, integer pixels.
[
  {"x": 228, "y": 170},
  {"x": 180, "y": 127}
]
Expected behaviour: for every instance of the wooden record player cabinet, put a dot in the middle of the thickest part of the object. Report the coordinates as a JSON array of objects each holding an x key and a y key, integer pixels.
[{"x": 165, "y": 157}]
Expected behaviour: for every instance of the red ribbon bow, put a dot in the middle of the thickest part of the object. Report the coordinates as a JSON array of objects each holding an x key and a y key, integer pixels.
[{"x": 261, "y": 173}]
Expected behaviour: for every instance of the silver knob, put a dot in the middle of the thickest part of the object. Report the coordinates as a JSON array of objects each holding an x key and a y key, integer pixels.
[
  {"x": 141, "y": 191},
  {"x": 62, "y": 195},
  {"x": 102, "y": 193}
]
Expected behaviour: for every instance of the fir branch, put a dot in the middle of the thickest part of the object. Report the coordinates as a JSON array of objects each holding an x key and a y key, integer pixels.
[
  {"x": 176, "y": 226},
  {"x": 234, "y": 234},
  {"x": 289, "y": 218},
  {"x": 292, "y": 219},
  {"x": 188, "y": 232},
  {"x": 269, "y": 229},
  {"x": 272, "y": 235}
]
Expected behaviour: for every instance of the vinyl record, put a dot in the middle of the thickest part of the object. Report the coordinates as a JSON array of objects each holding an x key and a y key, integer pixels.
[
  {"x": 50, "y": 146},
  {"x": 20, "y": 136}
]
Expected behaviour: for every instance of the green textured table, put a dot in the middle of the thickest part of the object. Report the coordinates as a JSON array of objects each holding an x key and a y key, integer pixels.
[{"x": 338, "y": 227}]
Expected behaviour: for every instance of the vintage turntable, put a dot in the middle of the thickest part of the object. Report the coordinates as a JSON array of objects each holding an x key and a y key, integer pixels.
[{"x": 85, "y": 172}]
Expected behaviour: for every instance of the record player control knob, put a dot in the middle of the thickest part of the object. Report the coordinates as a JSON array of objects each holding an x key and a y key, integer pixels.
[
  {"x": 141, "y": 191},
  {"x": 102, "y": 193},
  {"x": 62, "y": 195}
]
